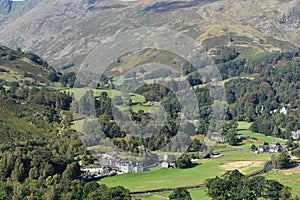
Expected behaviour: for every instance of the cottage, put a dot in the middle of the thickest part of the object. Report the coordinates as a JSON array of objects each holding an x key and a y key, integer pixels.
[
  {"x": 154, "y": 103},
  {"x": 92, "y": 169},
  {"x": 283, "y": 111},
  {"x": 128, "y": 167},
  {"x": 172, "y": 165},
  {"x": 243, "y": 137},
  {"x": 275, "y": 147},
  {"x": 296, "y": 135},
  {"x": 217, "y": 137},
  {"x": 263, "y": 149},
  {"x": 165, "y": 165}
]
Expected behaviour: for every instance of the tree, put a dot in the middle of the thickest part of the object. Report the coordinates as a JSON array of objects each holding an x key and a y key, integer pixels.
[
  {"x": 273, "y": 189},
  {"x": 195, "y": 146},
  {"x": 231, "y": 138},
  {"x": 183, "y": 162},
  {"x": 5, "y": 191},
  {"x": 118, "y": 193},
  {"x": 53, "y": 77},
  {"x": 234, "y": 185},
  {"x": 105, "y": 193},
  {"x": 253, "y": 147},
  {"x": 296, "y": 152},
  {"x": 180, "y": 194},
  {"x": 286, "y": 193},
  {"x": 281, "y": 161}
]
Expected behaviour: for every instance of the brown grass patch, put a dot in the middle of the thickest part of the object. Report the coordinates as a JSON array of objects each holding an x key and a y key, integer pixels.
[
  {"x": 241, "y": 165},
  {"x": 294, "y": 170}
]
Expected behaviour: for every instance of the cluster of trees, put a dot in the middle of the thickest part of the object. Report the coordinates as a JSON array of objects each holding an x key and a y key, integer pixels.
[
  {"x": 281, "y": 161},
  {"x": 37, "y": 95},
  {"x": 259, "y": 100},
  {"x": 180, "y": 194},
  {"x": 183, "y": 161},
  {"x": 39, "y": 152},
  {"x": 230, "y": 132},
  {"x": 234, "y": 185},
  {"x": 66, "y": 79}
]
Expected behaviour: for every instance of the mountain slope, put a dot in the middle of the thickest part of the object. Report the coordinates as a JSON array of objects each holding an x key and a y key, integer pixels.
[
  {"x": 17, "y": 66},
  {"x": 63, "y": 32}
]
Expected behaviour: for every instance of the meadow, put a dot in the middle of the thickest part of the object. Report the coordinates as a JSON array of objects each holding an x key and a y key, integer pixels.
[
  {"x": 172, "y": 178},
  {"x": 256, "y": 138}
]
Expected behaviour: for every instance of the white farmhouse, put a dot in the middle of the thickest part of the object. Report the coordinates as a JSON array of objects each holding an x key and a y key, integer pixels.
[{"x": 296, "y": 134}]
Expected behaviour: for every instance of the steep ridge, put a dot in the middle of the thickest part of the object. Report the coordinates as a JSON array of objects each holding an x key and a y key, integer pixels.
[{"x": 63, "y": 32}]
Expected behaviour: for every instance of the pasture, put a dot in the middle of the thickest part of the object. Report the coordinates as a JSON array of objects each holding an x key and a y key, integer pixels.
[{"x": 172, "y": 178}]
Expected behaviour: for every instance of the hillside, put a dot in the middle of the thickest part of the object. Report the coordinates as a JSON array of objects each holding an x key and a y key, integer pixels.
[
  {"x": 28, "y": 68},
  {"x": 39, "y": 151},
  {"x": 63, "y": 32}
]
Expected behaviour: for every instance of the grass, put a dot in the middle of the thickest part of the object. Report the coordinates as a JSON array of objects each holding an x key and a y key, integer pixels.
[
  {"x": 137, "y": 98},
  {"x": 79, "y": 92},
  {"x": 243, "y": 125},
  {"x": 257, "y": 139},
  {"x": 195, "y": 194},
  {"x": 172, "y": 178},
  {"x": 288, "y": 179},
  {"x": 199, "y": 194},
  {"x": 157, "y": 196}
]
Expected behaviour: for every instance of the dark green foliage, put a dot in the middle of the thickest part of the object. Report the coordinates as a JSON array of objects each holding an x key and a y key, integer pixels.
[
  {"x": 231, "y": 138},
  {"x": 183, "y": 161},
  {"x": 5, "y": 191},
  {"x": 180, "y": 194},
  {"x": 230, "y": 132},
  {"x": 194, "y": 78},
  {"x": 234, "y": 185},
  {"x": 281, "y": 161},
  {"x": 296, "y": 152},
  {"x": 68, "y": 79},
  {"x": 53, "y": 76},
  {"x": 195, "y": 146},
  {"x": 225, "y": 54},
  {"x": 105, "y": 193},
  {"x": 253, "y": 147},
  {"x": 36, "y": 162}
]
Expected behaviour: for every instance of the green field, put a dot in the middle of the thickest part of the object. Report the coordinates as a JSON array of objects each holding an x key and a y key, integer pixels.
[
  {"x": 79, "y": 92},
  {"x": 195, "y": 194},
  {"x": 172, "y": 178},
  {"x": 258, "y": 139},
  {"x": 288, "y": 178}
]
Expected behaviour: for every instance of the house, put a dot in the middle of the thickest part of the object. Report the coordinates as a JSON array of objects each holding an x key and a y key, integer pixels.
[
  {"x": 263, "y": 149},
  {"x": 217, "y": 137},
  {"x": 92, "y": 169},
  {"x": 296, "y": 135},
  {"x": 165, "y": 165},
  {"x": 129, "y": 167},
  {"x": 283, "y": 111},
  {"x": 154, "y": 103},
  {"x": 172, "y": 165},
  {"x": 275, "y": 147},
  {"x": 243, "y": 137}
]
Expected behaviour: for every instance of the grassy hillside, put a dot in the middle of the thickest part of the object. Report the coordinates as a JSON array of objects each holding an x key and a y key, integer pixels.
[{"x": 25, "y": 68}]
